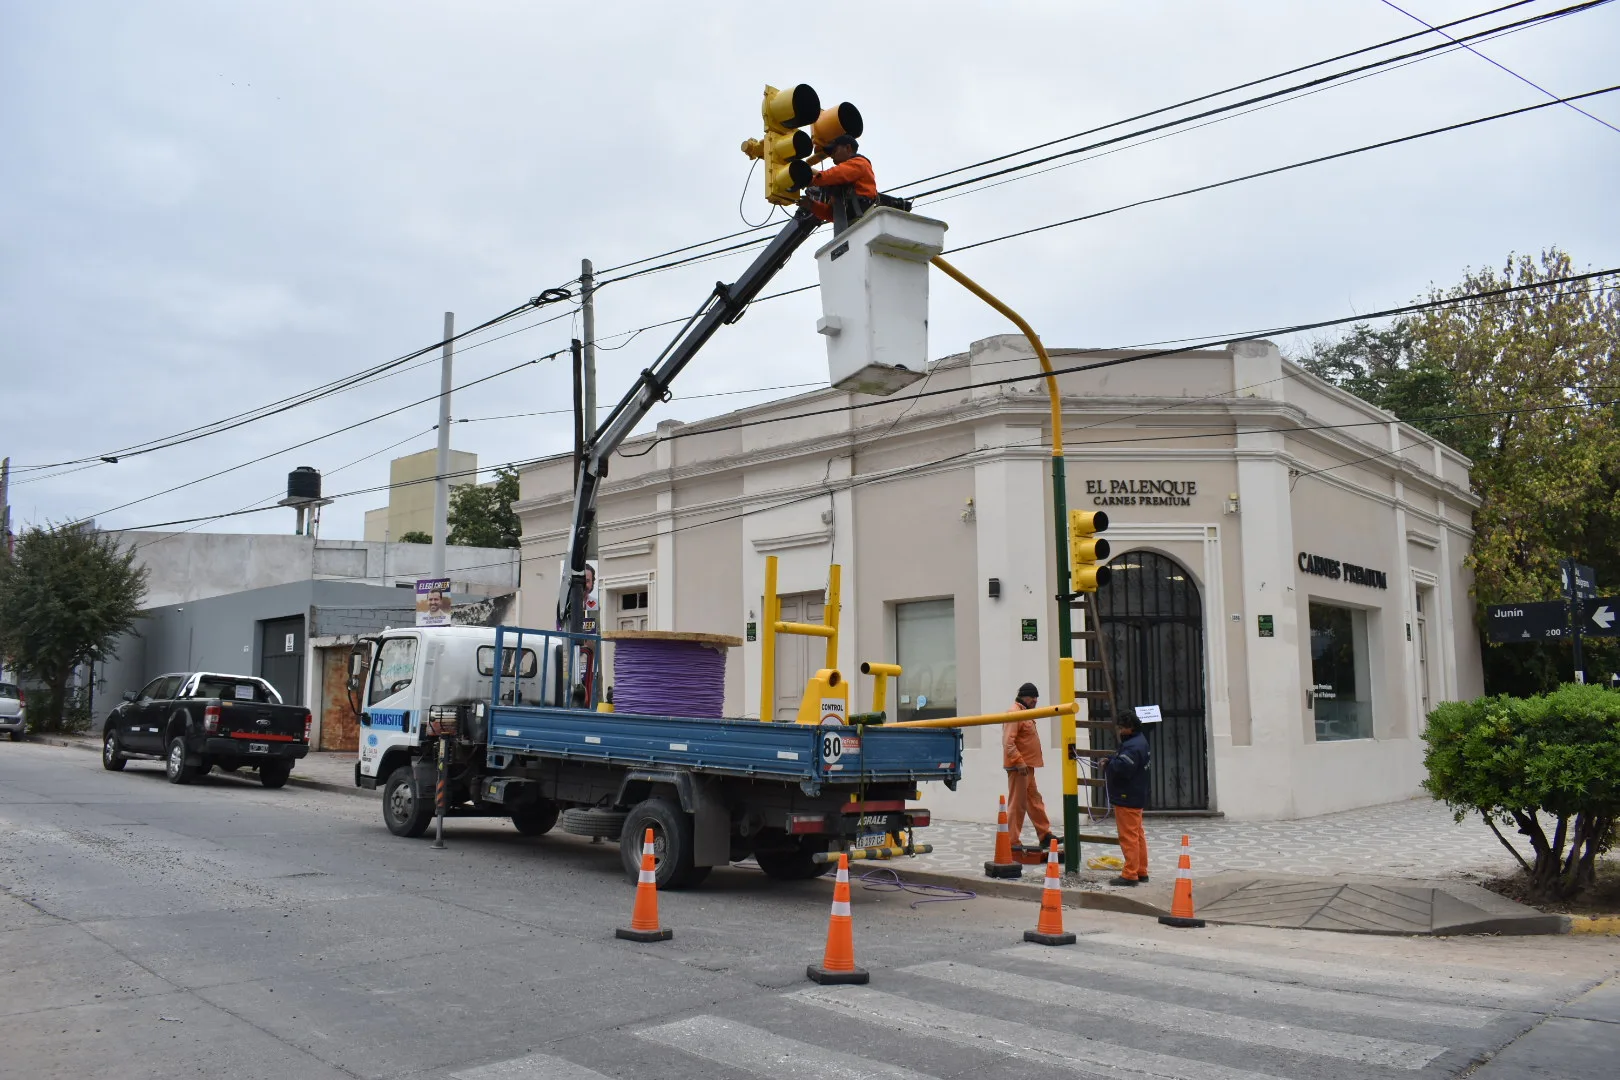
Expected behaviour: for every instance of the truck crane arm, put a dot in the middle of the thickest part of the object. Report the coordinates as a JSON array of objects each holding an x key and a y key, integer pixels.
[{"x": 723, "y": 307}]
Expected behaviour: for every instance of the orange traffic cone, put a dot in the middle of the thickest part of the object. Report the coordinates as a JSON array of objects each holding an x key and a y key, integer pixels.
[
  {"x": 644, "y": 917},
  {"x": 1002, "y": 866},
  {"x": 1181, "y": 904},
  {"x": 838, "y": 963},
  {"x": 1049, "y": 928}
]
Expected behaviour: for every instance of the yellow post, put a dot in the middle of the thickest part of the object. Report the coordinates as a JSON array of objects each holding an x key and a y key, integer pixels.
[
  {"x": 880, "y": 687},
  {"x": 1071, "y": 767},
  {"x": 829, "y": 613},
  {"x": 767, "y": 637}
]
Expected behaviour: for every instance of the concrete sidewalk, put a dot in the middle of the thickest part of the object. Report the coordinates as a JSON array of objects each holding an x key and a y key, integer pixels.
[{"x": 1404, "y": 868}]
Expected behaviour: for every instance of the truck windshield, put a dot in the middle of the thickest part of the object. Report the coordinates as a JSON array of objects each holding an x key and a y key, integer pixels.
[
  {"x": 232, "y": 689},
  {"x": 394, "y": 669}
]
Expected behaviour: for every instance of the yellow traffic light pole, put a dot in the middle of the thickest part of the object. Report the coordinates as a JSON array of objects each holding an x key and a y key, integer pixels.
[{"x": 1060, "y": 524}]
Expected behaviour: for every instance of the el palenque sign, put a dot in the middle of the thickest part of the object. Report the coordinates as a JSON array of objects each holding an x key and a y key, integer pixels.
[
  {"x": 1322, "y": 566},
  {"x": 1141, "y": 492}
]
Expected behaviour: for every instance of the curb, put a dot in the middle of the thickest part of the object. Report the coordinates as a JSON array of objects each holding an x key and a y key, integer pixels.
[
  {"x": 1096, "y": 900},
  {"x": 301, "y": 781},
  {"x": 1592, "y": 924}
]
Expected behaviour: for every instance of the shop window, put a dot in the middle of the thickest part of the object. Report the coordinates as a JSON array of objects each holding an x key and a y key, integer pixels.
[
  {"x": 925, "y": 649},
  {"x": 1341, "y": 686}
]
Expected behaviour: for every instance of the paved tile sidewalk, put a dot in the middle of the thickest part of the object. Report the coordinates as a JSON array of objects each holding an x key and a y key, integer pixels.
[{"x": 1411, "y": 839}]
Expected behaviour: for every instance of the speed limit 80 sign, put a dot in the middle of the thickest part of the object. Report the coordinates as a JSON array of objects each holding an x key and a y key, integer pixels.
[{"x": 836, "y": 745}]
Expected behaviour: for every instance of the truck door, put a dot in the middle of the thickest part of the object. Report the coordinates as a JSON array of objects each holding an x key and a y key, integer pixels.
[
  {"x": 390, "y": 717},
  {"x": 146, "y": 715}
]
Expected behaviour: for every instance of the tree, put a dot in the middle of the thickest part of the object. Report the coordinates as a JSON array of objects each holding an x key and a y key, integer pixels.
[
  {"x": 66, "y": 595},
  {"x": 1509, "y": 382},
  {"x": 481, "y": 515},
  {"x": 416, "y": 536},
  {"x": 1515, "y": 761}
]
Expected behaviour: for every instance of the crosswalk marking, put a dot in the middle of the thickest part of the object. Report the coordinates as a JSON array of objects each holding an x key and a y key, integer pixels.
[
  {"x": 1249, "y": 988},
  {"x": 1057, "y": 1049},
  {"x": 740, "y": 1046},
  {"x": 1341, "y": 975},
  {"x": 1363, "y": 1049},
  {"x": 533, "y": 1067}
]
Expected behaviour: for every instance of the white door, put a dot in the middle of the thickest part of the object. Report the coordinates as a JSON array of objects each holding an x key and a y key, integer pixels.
[{"x": 798, "y": 657}]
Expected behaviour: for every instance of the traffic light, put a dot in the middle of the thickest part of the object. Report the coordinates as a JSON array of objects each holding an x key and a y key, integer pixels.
[
  {"x": 784, "y": 148},
  {"x": 1087, "y": 552},
  {"x": 841, "y": 119}
]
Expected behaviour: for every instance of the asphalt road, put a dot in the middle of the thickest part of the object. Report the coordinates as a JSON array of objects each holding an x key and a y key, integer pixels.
[{"x": 223, "y": 930}]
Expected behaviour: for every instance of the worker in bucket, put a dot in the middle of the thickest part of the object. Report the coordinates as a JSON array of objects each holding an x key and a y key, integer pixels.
[
  {"x": 1127, "y": 773},
  {"x": 848, "y": 188},
  {"x": 1021, "y": 756}
]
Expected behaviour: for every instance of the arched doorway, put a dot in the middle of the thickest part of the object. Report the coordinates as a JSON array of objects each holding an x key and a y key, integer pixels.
[{"x": 1153, "y": 627}]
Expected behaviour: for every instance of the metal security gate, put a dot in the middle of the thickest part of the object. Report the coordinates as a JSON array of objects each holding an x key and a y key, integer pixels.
[{"x": 1153, "y": 627}]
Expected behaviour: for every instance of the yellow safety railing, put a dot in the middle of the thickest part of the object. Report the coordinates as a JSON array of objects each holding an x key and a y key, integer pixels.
[{"x": 773, "y": 625}]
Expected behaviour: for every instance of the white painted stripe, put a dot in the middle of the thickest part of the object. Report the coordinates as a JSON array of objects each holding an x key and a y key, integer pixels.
[
  {"x": 788, "y": 755},
  {"x": 1183, "y": 872},
  {"x": 1250, "y": 988},
  {"x": 677, "y": 746},
  {"x": 648, "y": 877},
  {"x": 533, "y": 1067},
  {"x": 751, "y": 1049},
  {"x": 1482, "y": 984},
  {"x": 1058, "y": 1049},
  {"x": 593, "y": 738},
  {"x": 841, "y": 907},
  {"x": 1362, "y": 1049}
]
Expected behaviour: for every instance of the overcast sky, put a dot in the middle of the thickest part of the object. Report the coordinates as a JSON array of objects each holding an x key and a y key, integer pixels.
[{"x": 205, "y": 207}]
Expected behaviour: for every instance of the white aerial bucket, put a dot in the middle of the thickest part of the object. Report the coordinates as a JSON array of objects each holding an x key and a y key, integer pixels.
[{"x": 874, "y": 300}]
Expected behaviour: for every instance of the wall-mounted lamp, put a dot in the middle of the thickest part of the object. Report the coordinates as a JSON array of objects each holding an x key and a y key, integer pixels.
[
  {"x": 995, "y": 588},
  {"x": 1232, "y": 502},
  {"x": 969, "y": 514}
]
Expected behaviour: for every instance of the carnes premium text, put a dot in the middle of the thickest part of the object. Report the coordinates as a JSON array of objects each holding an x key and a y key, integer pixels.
[
  {"x": 1141, "y": 492},
  {"x": 1342, "y": 571}
]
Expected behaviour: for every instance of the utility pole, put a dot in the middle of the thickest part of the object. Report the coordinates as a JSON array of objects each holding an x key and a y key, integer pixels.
[
  {"x": 441, "y": 485},
  {"x": 587, "y": 307},
  {"x": 5, "y": 507}
]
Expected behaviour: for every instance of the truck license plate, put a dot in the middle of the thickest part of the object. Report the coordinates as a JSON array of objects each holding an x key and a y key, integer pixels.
[
  {"x": 258, "y": 748},
  {"x": 871, "y": 840}
]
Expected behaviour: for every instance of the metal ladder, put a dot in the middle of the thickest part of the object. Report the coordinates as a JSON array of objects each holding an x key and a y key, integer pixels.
[{"x": 1093, "y": 657}]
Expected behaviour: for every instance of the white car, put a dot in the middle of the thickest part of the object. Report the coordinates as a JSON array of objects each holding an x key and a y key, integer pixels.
[{"x": 13, "y": 711}]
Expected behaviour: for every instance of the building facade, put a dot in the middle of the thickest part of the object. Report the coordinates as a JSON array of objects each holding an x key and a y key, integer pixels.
[
  {"x": 1288, "y": 580},
  {"x": 410, "y": 493}
]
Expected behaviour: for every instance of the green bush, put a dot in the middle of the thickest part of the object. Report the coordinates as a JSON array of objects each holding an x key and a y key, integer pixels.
[{"x": 1551, "y": 761}]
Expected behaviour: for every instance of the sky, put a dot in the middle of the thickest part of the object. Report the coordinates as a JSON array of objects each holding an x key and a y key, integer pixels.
[{"x": 208, "y": 207}]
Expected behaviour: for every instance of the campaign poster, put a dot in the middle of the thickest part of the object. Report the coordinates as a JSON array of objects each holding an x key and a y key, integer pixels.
[
  {"x": 432, "y": 601},
  {"x": 592, "y": 610}
]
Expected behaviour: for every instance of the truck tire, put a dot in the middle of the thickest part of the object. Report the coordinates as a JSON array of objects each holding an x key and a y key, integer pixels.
[
  {"x": 672, "y": 844},
  {"x": 273, "y": 774},
  {"x": 587, "y": 821},
  {"x": 174, "y": 763},
  {"x": 112, "y": 758},
  {"x": 403, "y": 812},
  {"x": 535, "y": 818},
  {"x": 790, "y": 865}
]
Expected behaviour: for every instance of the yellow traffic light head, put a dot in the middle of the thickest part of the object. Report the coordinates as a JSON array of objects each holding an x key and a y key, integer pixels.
[
  {"x": 794, "y": 107},
  {"x": 841, "y": 119},
  {"x": 1087, "y": 551},
  {"x": 1088, "y": 521}
]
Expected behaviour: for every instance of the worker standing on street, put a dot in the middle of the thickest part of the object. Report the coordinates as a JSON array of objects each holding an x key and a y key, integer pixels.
[
  {"x": 848, "y": 188},
  {"x": 1021, "y": 756},
  {"x": 1127, "y": 773}
]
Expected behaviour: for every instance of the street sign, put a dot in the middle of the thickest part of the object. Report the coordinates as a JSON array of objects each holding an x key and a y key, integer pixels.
[
  {"x": 1526, "y": 622},
  {"x": 1601, "y": 617},
  {"x": 1584, "y": 583}
]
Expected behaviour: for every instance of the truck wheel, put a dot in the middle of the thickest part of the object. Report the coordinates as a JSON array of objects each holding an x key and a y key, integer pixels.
[
  {"x": 790, "y": 865},
  {"x": 672, "y": 844},
  {"x": 403, "y": 812},
  {"x": 536, "y": 818},
  {"x": 112, "y": 758},
  {"x": 273, "y": 774},
  {"x": 589, "y": 821},
  {"x": 174, "y": 766}
]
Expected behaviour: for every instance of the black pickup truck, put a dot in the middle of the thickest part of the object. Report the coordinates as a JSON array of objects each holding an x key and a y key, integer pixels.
[{"x": 196, "y": 720}]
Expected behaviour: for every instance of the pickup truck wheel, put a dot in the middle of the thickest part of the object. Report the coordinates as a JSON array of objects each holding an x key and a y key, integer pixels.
[
  {"x": 672, "y": 844},
  {"x": 790, "y": 865},
  {"x": 403, "y": 812},
  {"x": 112, "y": 758},
  {"x": 174, "y": 766},
  {"x": 536, "y": 818},
  {"x": 273, "y": 774}
]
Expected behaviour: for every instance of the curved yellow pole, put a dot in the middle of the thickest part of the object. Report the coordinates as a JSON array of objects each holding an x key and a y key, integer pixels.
[{"x": 1068, "y": 708}]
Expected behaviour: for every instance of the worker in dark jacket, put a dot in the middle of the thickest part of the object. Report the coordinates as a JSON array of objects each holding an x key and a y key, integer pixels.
[
  {"x": 1127, "y": 774},
  {"x": 848, "y": 188}
]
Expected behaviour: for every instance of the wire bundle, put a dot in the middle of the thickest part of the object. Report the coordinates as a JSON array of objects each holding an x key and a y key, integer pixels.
[{"x": 669, "y": 678}]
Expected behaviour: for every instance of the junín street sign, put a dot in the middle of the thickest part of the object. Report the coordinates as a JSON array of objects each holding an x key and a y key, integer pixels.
[{"x": 1526, "y": 622}]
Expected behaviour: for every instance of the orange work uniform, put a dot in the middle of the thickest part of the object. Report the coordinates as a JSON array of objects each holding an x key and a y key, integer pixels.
[
  {"x": 1021, "y": 756},
  {"x": 856, "y": 172}
]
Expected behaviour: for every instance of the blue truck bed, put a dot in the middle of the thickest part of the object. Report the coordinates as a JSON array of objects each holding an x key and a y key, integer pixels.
[{"x": 796, "y": 753}]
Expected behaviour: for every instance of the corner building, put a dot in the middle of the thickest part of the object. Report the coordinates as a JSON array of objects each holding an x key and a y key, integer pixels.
[{"x": 1288, "y": 581}]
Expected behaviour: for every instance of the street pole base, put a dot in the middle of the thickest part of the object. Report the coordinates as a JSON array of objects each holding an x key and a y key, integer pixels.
[
  {"x": 1039, "y": 938},
  {"x": 1177, "y": 920},
  {"x": 437, "y": 845},
  {"x": 1003, "y": 870},
  {"x": 855, "y": 977},
  {"x": 643, "y": 935}
]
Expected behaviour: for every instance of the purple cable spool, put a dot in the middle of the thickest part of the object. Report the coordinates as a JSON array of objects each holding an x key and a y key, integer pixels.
[{"x": 666, "y": 673}]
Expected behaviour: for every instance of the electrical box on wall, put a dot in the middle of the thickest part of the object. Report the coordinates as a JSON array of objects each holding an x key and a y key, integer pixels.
[{"x": 874, "y": 300}]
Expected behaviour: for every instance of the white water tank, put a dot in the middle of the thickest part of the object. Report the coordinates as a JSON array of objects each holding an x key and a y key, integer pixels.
[{"x": 874, "y": 300}]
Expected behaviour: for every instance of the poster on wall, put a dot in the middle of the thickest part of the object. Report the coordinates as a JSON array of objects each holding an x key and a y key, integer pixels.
[
  {"x": 432, "y": 601},
  {"x": 591, "y": 594}
]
